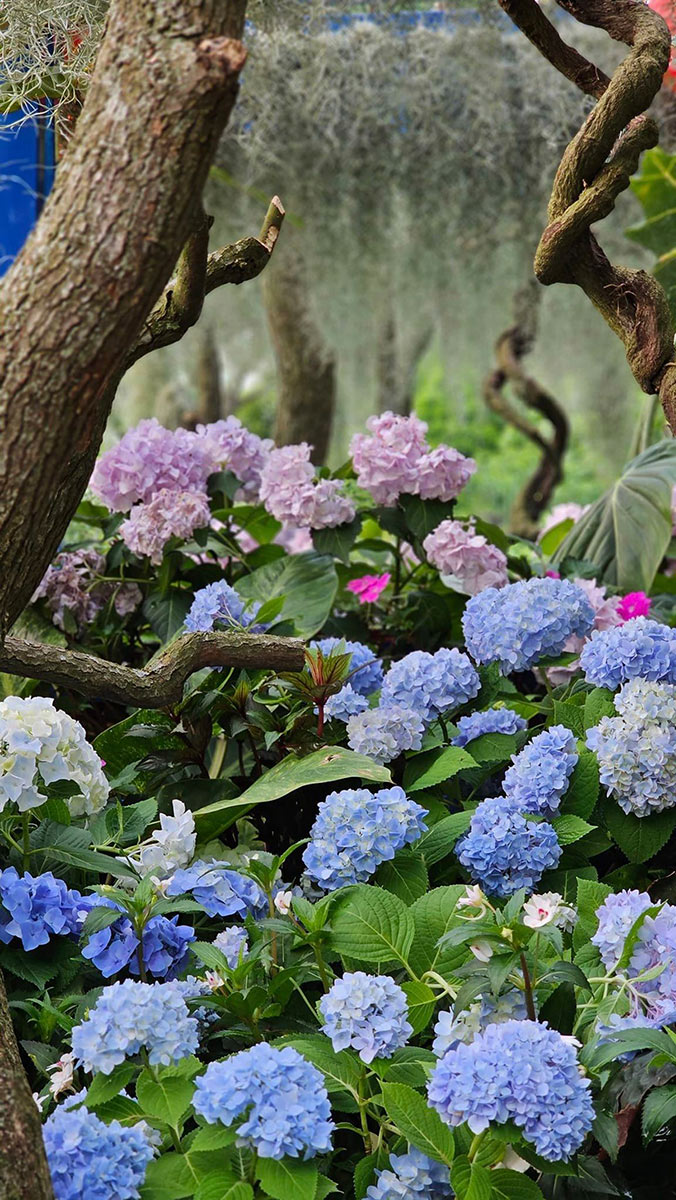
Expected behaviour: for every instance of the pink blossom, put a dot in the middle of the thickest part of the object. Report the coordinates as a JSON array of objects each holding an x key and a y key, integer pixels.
[
  {"x": 294, "y": 540},
  {"x": 560, "y": 513},
  {"x": 553, "y": 574},
  {"x": 394, "y": 458},
  {"x": 169, "y": 514},
  {"x": 72, "y": 585},
  {"x": 235, "y": 448},
  {"x": 149, "y": 459},
  {"x": 634, "y": 604},
  {"x": 466, "y": 557},
  {"x": 291, "y": 494},
  {"x": 443, "y": 473},
  {"x": 369, "y": 587}
]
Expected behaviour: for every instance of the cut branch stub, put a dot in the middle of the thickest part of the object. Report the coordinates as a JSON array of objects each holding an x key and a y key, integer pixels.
[{"x": 596, "y": 167}]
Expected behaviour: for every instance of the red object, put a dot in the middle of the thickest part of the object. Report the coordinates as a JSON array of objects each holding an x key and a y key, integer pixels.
[{"x": 667, "y": 10}]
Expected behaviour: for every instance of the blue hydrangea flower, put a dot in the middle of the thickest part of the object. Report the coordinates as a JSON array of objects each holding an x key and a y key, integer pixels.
[
  {"x": 89, "y": 1160},
  {"x": 539, "y": 776},
  {"x": 232, "y": 942},
  {"x": 639, "y": 648},
  {"x": 219, "y": 606},
  {"x": 384, "y": 733},
  {"x": 355, "y": 831},
  {"x": 636, "y": 750},
  {"x": 450, "y": 1030},
  {"x": 165, "y": 943},
  {"x": 504, "y": 852},
  {"x": 366, "y": 670},
  {"x": 608, "y": 1031},
  {"x": 368, "y": 1013},
  {"x": 33, "y": 907},
  {"x": 492, "y": 720},
  {"x": 430, "y": 683},
  {"x": 518, "y": 1071},
  {"x": 345, "y": 704},
  {"x": 282, "y": 1094},
  {"x": 518, "y": 625},
  {"x": 221, "y": 891},
  {"x": 510, "y": 1005},
  {"x": 616, "y": 916},
  {"x": 410, "y": 1175},
  {"x": 131, "y": 1016}
]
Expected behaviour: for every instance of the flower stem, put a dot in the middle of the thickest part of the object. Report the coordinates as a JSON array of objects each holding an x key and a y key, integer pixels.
[
  {"x": 474, "y": 1147},
  {"x": 26, "y": 841},
  {"x": 528, "y": 989}
]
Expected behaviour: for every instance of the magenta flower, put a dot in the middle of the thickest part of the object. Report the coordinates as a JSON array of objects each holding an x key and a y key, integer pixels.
[
  {"x": 634, "y": 604},
  {"x": 369, "y": 587}
]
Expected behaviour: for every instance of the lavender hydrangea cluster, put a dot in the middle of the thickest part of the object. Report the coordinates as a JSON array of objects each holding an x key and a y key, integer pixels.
[
  {"x": 75, "y": 592},
  {"x": 221, "y": 891},
  {"x": 521, "y": 624},
  {"x": 164, "y": 944},
  {"x": 638, "y": 648},
  {"x": 35, "y": 907},
  {"x": 355, "y": 831},
  {"x": 616, "y": 916},
  {"x": 148, "y": 460},
  {"x": 503, "y": 851},
  {"x": 491, "y": 720},
  {"x": 292, "y": 495},
  {"x": 235, "y": 448},
  {"x": 282, "y": 1094},
  {"x": 655, "y": 945},
  {"x": 465, "y": 557},
  {"x": 232, "y": 943},
  {"x": 129, "y": 1017},
  {"x": 345, "y": 704},
  {"x": 636, "y": 750},
  {"x": 450, "y": 1029},
  {"x": 219, "y": 606},
  {"x": 409, "y": 1176},
  {"x": 168, "y": 514},
  {"x": 394, "y": 458},
  {"x": 383, "y": 733},
  {"x": 39, "y": 745},
  {"x": 368, "y": 1013},
  {"x": 431, "y": 684},
  {"x": 92, "y": 1159},
  {"x": 539, "y": 776},
  {"x": 365, "y": 668},
  {"x": 518, "y": 1071}
]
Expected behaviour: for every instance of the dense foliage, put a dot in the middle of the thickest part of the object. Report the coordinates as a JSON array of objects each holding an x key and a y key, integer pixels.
[{"x": 395, "y": 925}]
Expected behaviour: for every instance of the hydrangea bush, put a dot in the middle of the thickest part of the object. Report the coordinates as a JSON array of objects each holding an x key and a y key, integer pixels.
[{"x": 398, "y": 924}]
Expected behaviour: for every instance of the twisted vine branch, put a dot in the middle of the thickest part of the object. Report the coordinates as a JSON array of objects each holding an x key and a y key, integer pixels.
[{"x": 596, "y": 166}]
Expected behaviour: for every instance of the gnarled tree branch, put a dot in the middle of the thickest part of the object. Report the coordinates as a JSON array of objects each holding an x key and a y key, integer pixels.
[
  {"x": 161, "y": 683},
  {"x": 596, "y": 167}
]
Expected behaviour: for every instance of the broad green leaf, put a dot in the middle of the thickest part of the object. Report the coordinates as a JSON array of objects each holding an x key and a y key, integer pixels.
[
  {"x": 655, "y": 188},
  {"x": 590, "y": 897},
  {"x": 337, "y": 542},
  {"x": 341, "y": 1070},
  {"x": 119, "y": 749},
  {"x": 166, "y": 1099},
  {"x": 308, "y": 582},
  {"x": 495, "y": 747},
  {"x": 470, "y": 1180},
  {"x": 69, "y": 845},
  {"x": 216, "y": 1187},
  {"x": 599, "y": 703},
  {"x": 105, "y": 1087},
  {"x": 405, "y": 876},
  {"x": 365, "y": 1175},
  {"x": 410, "y": 1064},
  {"x": 627, "y": 531},
  {"x": 570, "y": 715},
  {"x": 420, "y": 1000},
  {"x": 98, "y": 919},
  {"x": 569, "y": 973},
  {"x": 632, "y": 1039},
  {"x": 570, "y": 828},
  {"x": 168, "y": 1178},
  {"x": 583, "y": 789},
  {"x": 441, "y": 838},
  {"x": 372, "y": 925},
  {"x": 511, "y": 1185},
  {"x": 433, "y": 916},
  {"x": 638, "y": 837},
  {"x": 422, "y": 516},
  {"x": 434, "y": 766},
  {"x": 165, "y": 611},
  {"x": 659, "y": 1107},
  {"x": 416, "y": 1121},
  {"x": 322, "y": 766},
  {"x": 287, "y": 1178}
]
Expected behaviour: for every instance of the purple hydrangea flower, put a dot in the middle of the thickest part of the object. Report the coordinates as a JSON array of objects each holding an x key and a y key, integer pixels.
[
  {"x": 521, "y": 624},
  {"x": 462, "y": 554},
  {"x": 368, "y": 1013},
  {"x": 491, "y": 720},
  {"x": 640, "y": 647},
  {"x": 149, "y": 459},
  {"x": 504, "y": 852},
  {"x": 394, "y": 458},
  {"x": 383, "y": 733},
  {"x": 219, "y": 606},
  {"x": 235, "y": 448},
  {"x": 168, "y": 514},
  {"x": 91, "y": 1160},
  {"x": 221, "y": 891},
  {"x": 232, "y": 942},
  {"x": 430, "y": 683},
  {"x": 291, "y": 494},
  {"x": 35, "y": 907},
  {"x": 540, "y": 774},
  {"x": 73, "y": 589},
  {"x": 355, "y": 831}
]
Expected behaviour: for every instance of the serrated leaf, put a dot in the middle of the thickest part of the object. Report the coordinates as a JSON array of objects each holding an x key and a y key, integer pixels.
[
  {"x": 340, "y": 1069},
  {"x": 570, "y": 828},
  {"x": 167, "y": 1098},
  {"x": 493, "y": 748},
  {"x": 440, "y": 840},
  {"x": 104, "y": 1087},
  {"x": 590, "y": 897},
  {"x": 372, "y": 925},
  {"x": 337, "y": 542},
  {"x": 659, "y": 1107},
  {"x": 470, "y": 1180},
  {"x": 216, "y": 1187},
  {"x": 433, "y": 916},
  {"x": 421, "y": 1001},
  {"x": 435, "y": 766},
  {"x": 570, "y": 715},
  {"x": 512, "y": 1185},
  {"x": 632, "y": 1039},
  {"x": 416, "y": 1121},
  {"x": 409, "y": 1064},
  {"x": 287, "y": 1178},
  {"x": 638, "y": 837},
  {"x": 405, "y": 876},
  {"x": 599, "y": 703},
  {"x": 583, "y": 790}
]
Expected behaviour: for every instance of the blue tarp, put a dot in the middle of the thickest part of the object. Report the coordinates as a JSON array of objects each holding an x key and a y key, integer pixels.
[{"x": 26, "y": 174}]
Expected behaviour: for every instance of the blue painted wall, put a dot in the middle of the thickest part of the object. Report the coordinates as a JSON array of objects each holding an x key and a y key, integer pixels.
[{"x": 26, "y": 174}]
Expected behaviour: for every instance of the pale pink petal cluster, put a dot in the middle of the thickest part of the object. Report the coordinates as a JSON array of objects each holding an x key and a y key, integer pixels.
[
  {"x": 394, "y": 458},
  {"x": 292, "y": 494},
  {"x": 235, "y": 448},
  {"x": 294, "y": 540},
  {"x": 560, "y": 513},
  {"x": 464, "y": 556},
  {"x": 369, "y": 588},
  {"x": 149, "y": 526},
  {"x": 73, "y": 585},
  {"x": 548, "y": 909},
  {"x": 149, "y": 459}
]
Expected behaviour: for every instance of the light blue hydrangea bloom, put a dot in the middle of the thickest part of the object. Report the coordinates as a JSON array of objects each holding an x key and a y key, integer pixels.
[
  {"x": 518, "y": 1071},
  {"x": 450, "y": 1030},
  {"x": 492, "y": 720},
  {"x": 34, "y": 907},
  {"x": 221, "y": 891},
  {"x": 89, "y": 1160},
  {"x": 131, "y": 1016},
  {"x": 431, "y": 684},
  {"x": 368, "y": 1013},
  {"x": 165, "y": 943},
  {"x": 518, "y": 625},
  {"x": 283, "y": 1095},
  {"x": 384, "y": 733},
  {"x": 410, "y": 1175},
  {"x": 232, "y": 942},
  {"x": 639, "y": 648},
  {"x": 345, "y": 704},
  {"x": 608, "y": 1031},
  {"x": 219, "y": 606},
  {"x": 636, "y": 750},
  {"x": 539, "y": 776},
  {"x": 504, "y": 852},
  {"x": 616, "y": 916},
  {"x": 355, "y": 831},
  {"x": 365, "y": 668}
]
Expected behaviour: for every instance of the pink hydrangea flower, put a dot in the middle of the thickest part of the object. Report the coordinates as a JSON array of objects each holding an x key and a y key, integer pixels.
[
  {"x": 634, "y": 604},
  {"x": 235, "y": 448},
  {"x": 291, "y": 494},
  {"x": 72, "y": 585},
  {"x": 443, "y": 473},
  {"x": 149, "y": 459},
  {"x": 394, "y": 457},
  {"x": 169, "y": 514},
  {"x": 464, "y": 556},
  {"x": 294, "y": 540},
  {"x": 369, "y": 587}
]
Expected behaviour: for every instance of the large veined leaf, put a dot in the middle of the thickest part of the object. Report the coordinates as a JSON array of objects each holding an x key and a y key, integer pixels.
[
  {"x": 308, "y": 583},
  {"x": 655, "y": 188},
  {"x": 627, "y": 532}
]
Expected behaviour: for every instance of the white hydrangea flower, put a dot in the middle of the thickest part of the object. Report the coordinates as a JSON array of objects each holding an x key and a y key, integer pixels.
[
  {"x": 40, "y": 745},
  {"x": 172, "y": 846},
  {"x": 548, "y": 909},
  {"x": 62, "y": 1075}
]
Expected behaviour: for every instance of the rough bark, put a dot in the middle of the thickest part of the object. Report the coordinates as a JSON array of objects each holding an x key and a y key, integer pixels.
[
  {"x": 73, "y": 305},
  {"x": 306, "y": 374},
  {"x": 24, "y": 1174},
  {"x": 596, "y": 167}
]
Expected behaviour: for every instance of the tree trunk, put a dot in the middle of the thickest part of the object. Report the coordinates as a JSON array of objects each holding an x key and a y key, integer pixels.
[
  {"x": 306, "y": 374},
  {"x": 24, "y": 1174},
  {"x": 125, "y": 201}
]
